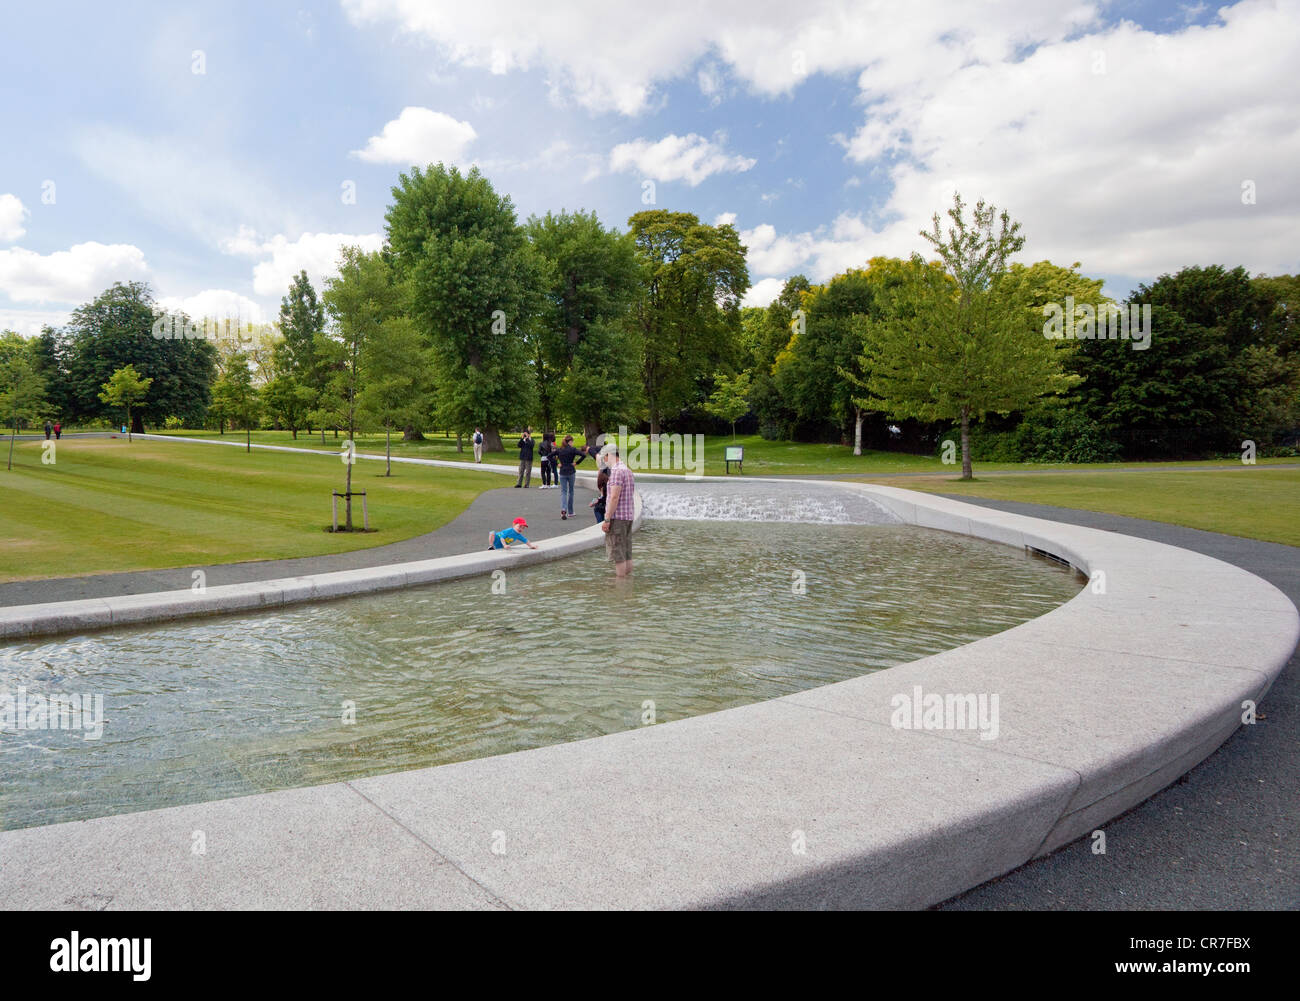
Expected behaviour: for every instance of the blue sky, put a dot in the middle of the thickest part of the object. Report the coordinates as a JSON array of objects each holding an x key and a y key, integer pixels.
[{"x": 209, "y": 150}]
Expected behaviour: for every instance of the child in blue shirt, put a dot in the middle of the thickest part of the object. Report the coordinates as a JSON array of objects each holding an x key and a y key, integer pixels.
[{"x": 502, "y": 539}]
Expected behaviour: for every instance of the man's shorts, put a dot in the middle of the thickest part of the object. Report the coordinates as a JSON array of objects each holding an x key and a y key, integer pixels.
[{"x": 618, "y": 542}]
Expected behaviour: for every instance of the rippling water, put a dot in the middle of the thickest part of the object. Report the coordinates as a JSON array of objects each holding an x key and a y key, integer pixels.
[{"x": 242, "y": 704}]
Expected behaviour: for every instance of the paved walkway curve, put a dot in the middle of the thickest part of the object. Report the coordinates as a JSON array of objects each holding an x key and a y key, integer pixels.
[{"x": 1222, "y": 837}]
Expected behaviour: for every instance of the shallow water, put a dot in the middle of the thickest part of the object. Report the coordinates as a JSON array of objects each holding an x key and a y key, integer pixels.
[{"x": 712, "y": 619}]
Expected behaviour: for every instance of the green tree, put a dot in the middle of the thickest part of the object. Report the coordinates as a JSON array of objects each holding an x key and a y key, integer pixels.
[
  {"x": 587, "y": 366},
  {"x": 1221, "y": 365},
  {"x": 49, "y": 358},
  {"x": 22, "y": 387},
  {"x": 474, "y": 284},
  {"x": 819, "y": 372},
  {"x": 765, "y": 334},
  {"x": 397, "y": 389},
  {"x": 358, "y": 302},
  {"x": 302, "y": 323},
  {"x": 123, "y": 326},
  {"x": 730, "y": 399},
  {"x": 236, "y": 398},
  {"x": 687, "y": 314},
  {"x": 288, "y": 402},
  {"x": 125, "y": 388},
  {"x": 955, "y": 343}
]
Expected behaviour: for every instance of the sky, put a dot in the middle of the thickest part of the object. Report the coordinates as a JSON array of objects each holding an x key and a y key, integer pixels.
[{"x": 217, "y": 149}]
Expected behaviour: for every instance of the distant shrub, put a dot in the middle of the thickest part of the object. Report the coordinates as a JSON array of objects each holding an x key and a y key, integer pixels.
[{"x": 1052, "y": 434}]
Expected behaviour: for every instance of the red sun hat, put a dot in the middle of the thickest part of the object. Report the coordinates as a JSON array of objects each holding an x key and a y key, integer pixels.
[{"x": 522, "y": 522}]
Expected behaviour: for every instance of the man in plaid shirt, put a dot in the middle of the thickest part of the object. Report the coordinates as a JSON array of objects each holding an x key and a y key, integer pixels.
[{"x": 620, "y": 509}]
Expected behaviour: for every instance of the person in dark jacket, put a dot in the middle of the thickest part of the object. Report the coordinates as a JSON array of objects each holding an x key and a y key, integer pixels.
[
  {"x": 547, "y": 451},
  {"x": 568, "y": 458},
  {"x": 602, "y": 494},
  {"x": 525, "y": 459}
]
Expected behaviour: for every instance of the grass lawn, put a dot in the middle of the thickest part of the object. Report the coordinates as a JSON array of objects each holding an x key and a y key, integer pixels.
[
  {"x": 762, "y": 457},
  {"x": 1252, "y": 502},
  {"x": 108, "y": 506}
]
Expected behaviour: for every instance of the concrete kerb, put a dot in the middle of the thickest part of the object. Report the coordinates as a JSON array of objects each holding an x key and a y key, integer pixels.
[{"x": 703, "y": 811}]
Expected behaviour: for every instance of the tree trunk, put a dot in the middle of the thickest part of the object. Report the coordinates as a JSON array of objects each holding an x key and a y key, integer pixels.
[
  {"x": 129, "y": 424},
  {"x": 388, "y": 446},
  {"x": 248, "y": 439},
  {"x": 591, "y": 431},
  {"x": 11, "y": 442},
  {"x": 460, "y": 445},
  {"x": 492, "y": 440},
  {"x": 654, "y": 425},
  {"x": 965, "y": 444},
  {"x": 295, "y": 434},
  {"x": 857, "y": 430},
  {"x": 137, "y": 423},
  {"x": 322, "y": 434},
  {"x": 410, "y": 434}
]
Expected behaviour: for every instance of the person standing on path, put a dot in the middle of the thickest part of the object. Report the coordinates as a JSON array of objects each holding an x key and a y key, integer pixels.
[
  {"x": 568, "y": 457},
  {"x": 478, "y": 445},
  {"x": 58, "y": 430},
  {"x": 547, "y": 451},
  {"x": 48, "y": 428},
  {"x": 525, "y": 459},
  {"x": 620, "y": 510}
]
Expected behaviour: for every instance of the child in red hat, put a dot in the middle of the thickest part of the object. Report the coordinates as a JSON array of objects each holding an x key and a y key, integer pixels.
[{"x": 502, "y": 540}]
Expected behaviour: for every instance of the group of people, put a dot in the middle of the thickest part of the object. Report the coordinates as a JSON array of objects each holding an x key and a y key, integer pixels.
[
  {"x": 55, "y": 429},
  {"x": 614, "y": 503}
]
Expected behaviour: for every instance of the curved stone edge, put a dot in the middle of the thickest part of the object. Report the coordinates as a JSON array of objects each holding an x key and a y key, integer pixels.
[
  {"x": 18, "y": 622},
  {"x": 811, "y": 800}
]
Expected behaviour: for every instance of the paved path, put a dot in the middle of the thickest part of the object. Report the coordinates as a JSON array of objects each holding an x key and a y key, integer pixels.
[
  {"x": 1225, "y": 836},
  {"x": 466, "y": 533}
]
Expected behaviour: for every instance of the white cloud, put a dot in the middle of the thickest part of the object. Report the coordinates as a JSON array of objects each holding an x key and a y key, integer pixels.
[
  {"x": 689, "y": 158},
  {"x": 769, "y": 254},
  {"x": 764, "y": 292},
  {"x": 29, "y": 322},
  {"x": 1134, "y": 170},
  {"x": 724, "y": 219},
  {"x": 612, "y": 57},
  {"x": 74, "y": 275},
  {"x": 12, "y": 215},
  {"x": 216, "y": 303},
  {"x": 419, "y": 136},
  {"x": 315, "y": 253},
  {"x": 244, "y": 243}
]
